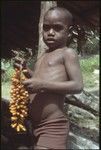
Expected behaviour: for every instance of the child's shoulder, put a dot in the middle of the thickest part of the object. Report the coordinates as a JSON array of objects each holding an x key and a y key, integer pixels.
[
  {"x": 70, "y": 52},
  {"x": 41, "y": 56}
]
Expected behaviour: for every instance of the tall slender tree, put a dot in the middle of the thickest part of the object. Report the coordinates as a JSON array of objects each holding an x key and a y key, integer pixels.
[{"x": 45, "y": 5}]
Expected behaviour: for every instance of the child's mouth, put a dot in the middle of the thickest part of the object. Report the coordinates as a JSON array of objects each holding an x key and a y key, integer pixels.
[{"x": 50, "y": 40}]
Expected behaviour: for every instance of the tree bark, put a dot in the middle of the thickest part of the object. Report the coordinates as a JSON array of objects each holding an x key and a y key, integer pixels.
[
  {"x": 45, "y": 5},
  {"x": 73, "y": 100}
]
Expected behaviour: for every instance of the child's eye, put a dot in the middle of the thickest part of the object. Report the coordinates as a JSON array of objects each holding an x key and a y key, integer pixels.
[
  {"x": 46, "y": 27},
  {"x": 58, "y": 27}
]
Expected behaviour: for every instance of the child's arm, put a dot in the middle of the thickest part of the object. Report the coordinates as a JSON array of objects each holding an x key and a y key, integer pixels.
[{"x": 75, "y": 83}]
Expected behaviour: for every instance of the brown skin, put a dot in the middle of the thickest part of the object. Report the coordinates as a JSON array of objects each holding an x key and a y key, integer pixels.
[{"x": 56, "y": 73}]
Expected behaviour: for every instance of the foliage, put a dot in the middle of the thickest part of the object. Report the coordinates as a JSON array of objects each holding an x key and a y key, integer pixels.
[
  {"x": 7, "y": 66},
  {"x": 88, "y": 65},
  {"x": 32, "y": 62},
  {"x": 91, "y": 43}
]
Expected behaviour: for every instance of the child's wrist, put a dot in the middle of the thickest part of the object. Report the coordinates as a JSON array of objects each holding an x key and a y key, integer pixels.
[{"x": 43, "y": 87}]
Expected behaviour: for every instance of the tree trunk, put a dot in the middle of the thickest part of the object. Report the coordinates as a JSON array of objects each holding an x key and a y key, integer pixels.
[{"x": 45, "y": 5}]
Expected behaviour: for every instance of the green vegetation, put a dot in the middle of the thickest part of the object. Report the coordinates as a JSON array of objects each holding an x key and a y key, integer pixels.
[
  {"x": 5, "y": 89},
  {"x": 92, "y": 43},
  {"x": 88, "y": 65},
  {"x": 7, "y": 65}
]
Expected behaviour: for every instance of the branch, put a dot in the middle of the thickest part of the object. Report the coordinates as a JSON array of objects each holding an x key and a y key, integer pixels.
[{"x": 73, "y": 100}]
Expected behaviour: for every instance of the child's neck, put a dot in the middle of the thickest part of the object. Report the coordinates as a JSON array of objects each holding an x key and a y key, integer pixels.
[{"x": 55, "y": 48}]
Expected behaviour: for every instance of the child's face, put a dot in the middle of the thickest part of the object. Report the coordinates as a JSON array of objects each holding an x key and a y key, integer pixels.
[{"x": 55, "y": 29}]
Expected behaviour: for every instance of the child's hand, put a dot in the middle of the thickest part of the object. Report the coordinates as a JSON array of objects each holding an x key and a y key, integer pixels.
[
  {"x": 33, "y": 85},
  {"x": 20, "y": 59},
  {"x": 19, "y": 63}
]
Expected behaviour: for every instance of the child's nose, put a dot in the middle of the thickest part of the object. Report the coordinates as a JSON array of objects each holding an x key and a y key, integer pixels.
[{"x": 51, "y": 31}]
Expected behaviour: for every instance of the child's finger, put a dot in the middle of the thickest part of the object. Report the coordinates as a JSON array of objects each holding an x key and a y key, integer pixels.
[
  {"x": 16, "y": 65},
  {"x": 18, "y": 59},
  {"x": 26, "y": 82},
  {"x": 26, "y": 73}
]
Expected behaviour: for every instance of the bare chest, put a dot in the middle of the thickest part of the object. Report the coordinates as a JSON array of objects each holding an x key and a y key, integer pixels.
[{"x": 51, "y": 67}]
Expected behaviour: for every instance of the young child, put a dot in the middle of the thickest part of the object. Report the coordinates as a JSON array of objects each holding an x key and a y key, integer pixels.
[{"x": 56, "y": 74}]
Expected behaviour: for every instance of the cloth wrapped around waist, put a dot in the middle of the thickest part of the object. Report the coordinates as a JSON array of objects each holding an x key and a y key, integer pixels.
[{"x": 54, "y": 127}]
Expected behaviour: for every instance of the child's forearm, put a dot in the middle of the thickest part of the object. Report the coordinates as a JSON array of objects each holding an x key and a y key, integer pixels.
[{"x": 68, "y": 87}]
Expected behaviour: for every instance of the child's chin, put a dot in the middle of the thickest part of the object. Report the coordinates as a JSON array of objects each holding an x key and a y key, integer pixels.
[{"x": 51, "y": 45}]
